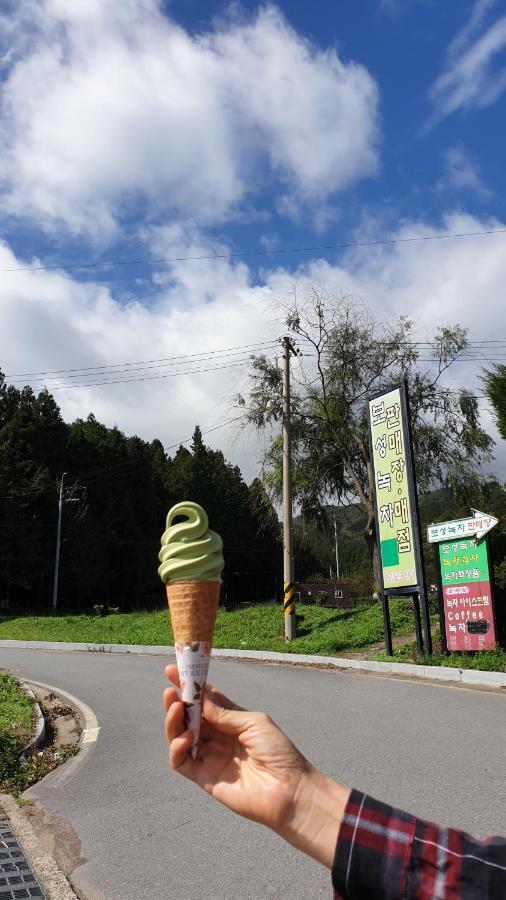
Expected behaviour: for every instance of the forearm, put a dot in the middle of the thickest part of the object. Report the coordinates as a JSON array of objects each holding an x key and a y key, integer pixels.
[
  {"x": 317, "y": 811},
  {"x": 386, "y": 853}
]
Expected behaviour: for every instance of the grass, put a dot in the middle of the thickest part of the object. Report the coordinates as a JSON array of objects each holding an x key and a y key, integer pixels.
[
  {"x": 16, "y": 708},
  {"x": 16, "y": 713},
  {"x": 484, "y": 661},
  {"x": 323, "y": 632},
  {"x": 16, "y": 724},
  {"x": 320, "y": 631}
]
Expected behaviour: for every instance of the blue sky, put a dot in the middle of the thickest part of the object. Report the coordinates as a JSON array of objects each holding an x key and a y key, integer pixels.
[{"x": 135, "y": 129}]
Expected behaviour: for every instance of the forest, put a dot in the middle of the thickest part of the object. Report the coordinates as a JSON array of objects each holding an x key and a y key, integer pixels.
[{"x": 116, "y": 494}]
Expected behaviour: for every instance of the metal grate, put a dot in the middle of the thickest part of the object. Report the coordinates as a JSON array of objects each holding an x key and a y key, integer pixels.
[{"x": 17, "y": 881}]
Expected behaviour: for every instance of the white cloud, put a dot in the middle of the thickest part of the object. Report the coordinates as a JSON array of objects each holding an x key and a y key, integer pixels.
[
  {"x": 53, "y": 322},
  {"x": 474, "y": 75},
  {"x": 462, "y": 172},
  {"x": 479, "y": 10},
  {"x": 108, "y": 106},
  {"x": 437, "y": 283}
]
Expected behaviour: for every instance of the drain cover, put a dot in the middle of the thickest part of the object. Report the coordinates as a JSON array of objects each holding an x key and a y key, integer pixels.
[{"x": 17, "y": 881}]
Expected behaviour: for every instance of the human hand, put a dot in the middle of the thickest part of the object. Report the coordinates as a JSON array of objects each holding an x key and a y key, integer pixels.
[{"x": 247, "y": 763}]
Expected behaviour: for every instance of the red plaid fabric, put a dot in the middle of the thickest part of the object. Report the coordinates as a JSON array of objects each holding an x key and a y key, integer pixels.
[{"x": 388, "y": 854}]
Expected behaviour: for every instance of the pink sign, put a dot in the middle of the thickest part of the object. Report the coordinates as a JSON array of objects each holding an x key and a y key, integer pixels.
[{"x": 469, "y": 617}]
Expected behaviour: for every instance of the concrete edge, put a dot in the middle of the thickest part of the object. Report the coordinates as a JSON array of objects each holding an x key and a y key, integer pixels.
[
  {"x": 495, "y": 680},
  {"x": 91, "y": 728},
  {"x": 45, "y": 868},
  {"x": 40, "y": 723}
]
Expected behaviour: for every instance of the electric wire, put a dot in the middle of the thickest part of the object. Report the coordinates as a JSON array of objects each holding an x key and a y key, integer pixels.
[
  {"x": 235, "y": 365},
  {"x": 144, "y": 363},
  {"x": 252, "y": 252}
]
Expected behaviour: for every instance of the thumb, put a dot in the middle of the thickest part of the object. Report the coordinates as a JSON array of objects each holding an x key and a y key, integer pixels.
[{"x": 223, "y": 714}]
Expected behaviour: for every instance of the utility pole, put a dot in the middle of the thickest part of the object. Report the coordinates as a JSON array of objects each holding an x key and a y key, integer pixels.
[
  {"x": 288, "y": 567},
  {"x": 61, "y": 501},
  {"x": 337, "y": 557},
  {"x": 58, "y": 542}
]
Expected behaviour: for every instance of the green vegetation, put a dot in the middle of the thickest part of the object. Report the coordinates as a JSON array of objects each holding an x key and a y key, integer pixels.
[
  {"x": 259, "y": 627},
  {"x": 484, "y": 661},
  {"x": 15, "y": 707},
  {"x": 16, "y": 726},
  {"x": 495, "y": 386},
  {"x": 16, "y": 710},
  {"x": 117, "y": 492},
  {"x": 320, "y": 631}
]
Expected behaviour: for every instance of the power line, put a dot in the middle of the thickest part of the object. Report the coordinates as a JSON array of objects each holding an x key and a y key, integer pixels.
[
  {"x": 244, "y": 253},
  {"x": 64, "y": 387},
  {"x": 210, "y": 355},
  {"x": 160, "y": 367},
  {"x": 146, "y": 362}
]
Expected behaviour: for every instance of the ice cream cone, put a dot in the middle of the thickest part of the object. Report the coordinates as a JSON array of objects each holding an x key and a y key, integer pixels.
[
  {"x": 193, "y": 606},
  {"x": 191, "y": 563}
]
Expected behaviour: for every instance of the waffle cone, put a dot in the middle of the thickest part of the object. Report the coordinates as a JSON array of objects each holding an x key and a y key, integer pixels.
[{"x": 193, "y": 606}]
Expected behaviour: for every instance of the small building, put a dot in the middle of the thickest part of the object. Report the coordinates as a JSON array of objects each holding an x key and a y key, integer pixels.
[{"x": 337, "y": 594}]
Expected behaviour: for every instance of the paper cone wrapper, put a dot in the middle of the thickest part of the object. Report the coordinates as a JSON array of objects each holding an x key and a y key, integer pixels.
[{"x": 193, "y": 606}]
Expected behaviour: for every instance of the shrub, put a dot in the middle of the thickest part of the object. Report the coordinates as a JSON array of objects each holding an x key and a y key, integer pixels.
[
  {"x": 361, "y": 586},
  {"x": 10, "y": 748},
  {"x": 500, "y": 574}
]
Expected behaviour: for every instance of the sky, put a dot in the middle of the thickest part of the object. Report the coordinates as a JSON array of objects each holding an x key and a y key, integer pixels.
[{"x": 163, "y": 163}]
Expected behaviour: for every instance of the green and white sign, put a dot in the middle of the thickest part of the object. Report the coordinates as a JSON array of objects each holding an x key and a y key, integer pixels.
[
  {"x": 463, "y": 562},
  {"x": 395, "y": 501},
  {"x": 477, "y": 526}
]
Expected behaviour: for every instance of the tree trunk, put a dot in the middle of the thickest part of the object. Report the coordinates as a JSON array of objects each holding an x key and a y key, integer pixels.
[{"x": 370, "y": 539}]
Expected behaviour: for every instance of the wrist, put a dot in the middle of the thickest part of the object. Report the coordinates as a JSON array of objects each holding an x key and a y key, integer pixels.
[{"x": 317, "y": 812}]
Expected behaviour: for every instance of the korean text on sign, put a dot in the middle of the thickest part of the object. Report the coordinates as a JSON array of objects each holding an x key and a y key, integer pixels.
[{"x": 393, "y": 502}]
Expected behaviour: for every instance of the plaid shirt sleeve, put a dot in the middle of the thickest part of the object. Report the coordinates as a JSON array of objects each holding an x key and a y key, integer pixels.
[{"x": 388, "y": 854}]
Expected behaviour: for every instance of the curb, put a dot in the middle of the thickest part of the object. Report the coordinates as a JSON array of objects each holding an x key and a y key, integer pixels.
[
  {"x": 91, "y": 728},
  {"x": 474, "y": 677},
  {"x": 51, "y": 878},
  {"x": 40, "y": 724}
]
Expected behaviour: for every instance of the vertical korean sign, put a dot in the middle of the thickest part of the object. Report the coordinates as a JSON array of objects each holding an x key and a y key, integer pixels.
[
  {"x": 467, "y": 595},
  {"x": 396, "y": 509}
]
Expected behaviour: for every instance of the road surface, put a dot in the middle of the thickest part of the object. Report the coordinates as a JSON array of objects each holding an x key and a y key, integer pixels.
[{"x": 131, "y": 828}]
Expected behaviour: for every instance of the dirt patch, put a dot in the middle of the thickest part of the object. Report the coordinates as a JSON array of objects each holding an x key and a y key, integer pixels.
[
  {"x": 372, "y": 650},
  {"x": 64, "y": 720}
]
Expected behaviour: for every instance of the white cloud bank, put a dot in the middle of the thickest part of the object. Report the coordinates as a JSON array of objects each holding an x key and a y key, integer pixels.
[
  {"x": 49, "y": 321},
  {"x": 108, "y": 104}
]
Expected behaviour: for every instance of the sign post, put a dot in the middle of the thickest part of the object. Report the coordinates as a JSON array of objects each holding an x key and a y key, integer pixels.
[
  {"x": 465, "y": 583},
  {"x": 396, "y": 504}
]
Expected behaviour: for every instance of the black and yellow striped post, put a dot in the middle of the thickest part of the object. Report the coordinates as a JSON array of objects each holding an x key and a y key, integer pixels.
[{"x": 289, "y": 598}]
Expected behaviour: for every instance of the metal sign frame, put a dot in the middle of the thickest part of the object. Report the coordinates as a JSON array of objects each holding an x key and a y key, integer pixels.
[{"x": 418, "y": 590}]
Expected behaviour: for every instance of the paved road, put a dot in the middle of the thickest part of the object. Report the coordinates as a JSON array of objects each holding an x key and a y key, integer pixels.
[{"x": 145, "y": 832}]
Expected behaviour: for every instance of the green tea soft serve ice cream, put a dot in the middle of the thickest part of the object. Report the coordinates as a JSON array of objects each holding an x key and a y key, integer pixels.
[{"x": 191, "y": 563}]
